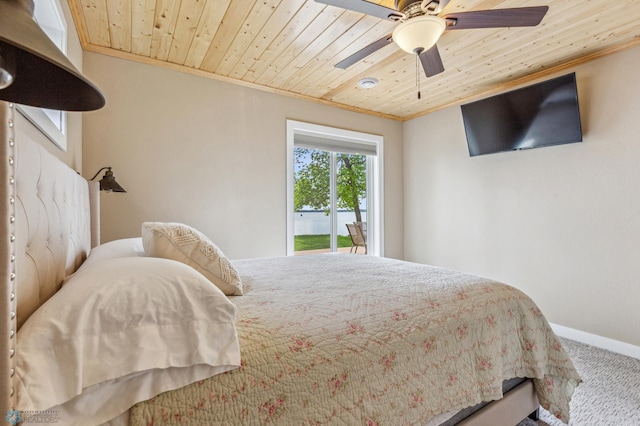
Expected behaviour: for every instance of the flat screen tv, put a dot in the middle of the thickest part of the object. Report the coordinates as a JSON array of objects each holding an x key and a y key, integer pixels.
[{"x": 539, "y": 115}]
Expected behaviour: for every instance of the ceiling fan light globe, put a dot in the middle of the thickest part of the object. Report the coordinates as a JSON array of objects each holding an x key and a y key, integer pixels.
[{"x": 419, "y": 34}]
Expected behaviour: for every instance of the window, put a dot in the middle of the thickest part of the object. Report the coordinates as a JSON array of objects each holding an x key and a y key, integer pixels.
[
  {"x": 334, "y": 178},
  {"x": 48, "y": 14}
]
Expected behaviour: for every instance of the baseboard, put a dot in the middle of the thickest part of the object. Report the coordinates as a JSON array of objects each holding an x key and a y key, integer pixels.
[{"x": 597, "y": 341}]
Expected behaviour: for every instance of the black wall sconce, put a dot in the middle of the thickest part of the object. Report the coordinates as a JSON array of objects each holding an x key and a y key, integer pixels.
[
  {"x": 108, "y": 181},
  {"x": 33, "y": 71}
]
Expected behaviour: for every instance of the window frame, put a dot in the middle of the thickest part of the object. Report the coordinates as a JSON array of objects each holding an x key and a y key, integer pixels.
[
  {"x": 375, "y": 187},
  {"x": 50, "y": 17}
]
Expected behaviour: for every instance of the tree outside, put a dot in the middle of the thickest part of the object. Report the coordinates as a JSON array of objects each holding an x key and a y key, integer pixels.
[{"x": 311, "y": 184}]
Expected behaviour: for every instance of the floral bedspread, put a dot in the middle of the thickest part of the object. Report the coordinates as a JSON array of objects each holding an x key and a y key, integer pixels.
[{"x": 351, "y": 339}]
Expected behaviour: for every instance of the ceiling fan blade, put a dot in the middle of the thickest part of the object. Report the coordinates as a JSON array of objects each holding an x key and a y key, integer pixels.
[
  {"x": 496, "y": 18},
  {"x": 431, "y": 61},
  {"x": 362, "y": 6},
  {"x": 364, "y": 52}
]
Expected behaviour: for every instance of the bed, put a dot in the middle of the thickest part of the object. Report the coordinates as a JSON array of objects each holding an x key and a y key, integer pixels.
[{"x": 323, "y": 339}]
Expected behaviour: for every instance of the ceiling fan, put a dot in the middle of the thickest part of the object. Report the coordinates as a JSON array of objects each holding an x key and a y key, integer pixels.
[{"x": 421, "y": 26}]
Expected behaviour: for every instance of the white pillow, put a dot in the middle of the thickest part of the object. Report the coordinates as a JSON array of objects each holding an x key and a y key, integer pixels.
[
  {"x": 185, "y": 244},
  {"x": 122, "y": 331},
  {"x": 126, "y": 247}
]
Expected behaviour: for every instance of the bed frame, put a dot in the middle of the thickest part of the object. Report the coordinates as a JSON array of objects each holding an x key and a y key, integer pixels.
[{"x": 50, "y": 222}]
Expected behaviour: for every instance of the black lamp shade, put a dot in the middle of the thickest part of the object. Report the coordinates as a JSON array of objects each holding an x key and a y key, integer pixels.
[
  {"x": 43, "y": 76},
  {"x": 108, "y": 183}
]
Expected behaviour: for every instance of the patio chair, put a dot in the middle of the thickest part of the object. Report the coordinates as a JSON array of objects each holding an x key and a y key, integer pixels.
[
  {"x": 357, "y": 238},
  {"x": 363, "y": 227}
]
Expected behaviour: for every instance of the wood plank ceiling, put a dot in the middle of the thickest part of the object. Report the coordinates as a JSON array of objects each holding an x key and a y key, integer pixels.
[{"x": 291, "y": 46}]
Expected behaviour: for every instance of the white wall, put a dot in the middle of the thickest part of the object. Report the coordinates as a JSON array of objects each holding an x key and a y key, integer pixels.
[
  {"x": 561, "y": 223},
  {"x": 210, "y": 154}
]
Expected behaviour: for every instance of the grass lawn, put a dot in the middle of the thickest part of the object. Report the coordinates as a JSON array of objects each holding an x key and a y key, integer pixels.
[{"x": 315, "y": 242}]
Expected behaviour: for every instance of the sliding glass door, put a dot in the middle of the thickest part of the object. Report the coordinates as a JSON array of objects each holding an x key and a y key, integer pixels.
[
  {"x": 312, "y": 201},
  {"x": 334, "y": 191},
  {"x": 330, "y": 192}
]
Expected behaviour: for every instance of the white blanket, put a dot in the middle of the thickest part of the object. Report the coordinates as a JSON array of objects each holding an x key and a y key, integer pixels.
[{"x": 350, "y": 339}]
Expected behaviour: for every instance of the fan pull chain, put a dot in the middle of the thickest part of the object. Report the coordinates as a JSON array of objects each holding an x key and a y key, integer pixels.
[{"x": 418, "y": 76}]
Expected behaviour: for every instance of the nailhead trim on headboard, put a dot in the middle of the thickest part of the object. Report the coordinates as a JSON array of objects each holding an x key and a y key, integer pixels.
[
  {"x": 12, "y": 257},
  {"x": 8, "y": 302}
]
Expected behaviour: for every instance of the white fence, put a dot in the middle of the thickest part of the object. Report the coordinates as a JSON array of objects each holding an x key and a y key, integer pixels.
[{"x": 317, "y": 223}]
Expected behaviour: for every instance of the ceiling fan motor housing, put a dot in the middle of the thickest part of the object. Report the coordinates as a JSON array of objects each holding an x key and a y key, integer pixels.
[{"x": 414, "y": 8}]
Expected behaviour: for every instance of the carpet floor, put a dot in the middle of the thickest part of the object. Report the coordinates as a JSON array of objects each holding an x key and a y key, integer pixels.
[{"x": 609, "y": 394}]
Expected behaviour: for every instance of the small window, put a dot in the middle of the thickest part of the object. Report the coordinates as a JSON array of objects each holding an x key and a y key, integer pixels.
[{"x": 49, "y": 16}]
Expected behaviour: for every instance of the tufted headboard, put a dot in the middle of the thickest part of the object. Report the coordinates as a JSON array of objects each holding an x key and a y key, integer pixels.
[{"x": 49, "y": 214}]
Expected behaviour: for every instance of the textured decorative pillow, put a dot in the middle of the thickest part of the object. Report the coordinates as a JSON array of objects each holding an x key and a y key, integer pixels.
[
  {"x": 121, "y": 331},
  {"x": 185, "y": 244}
]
